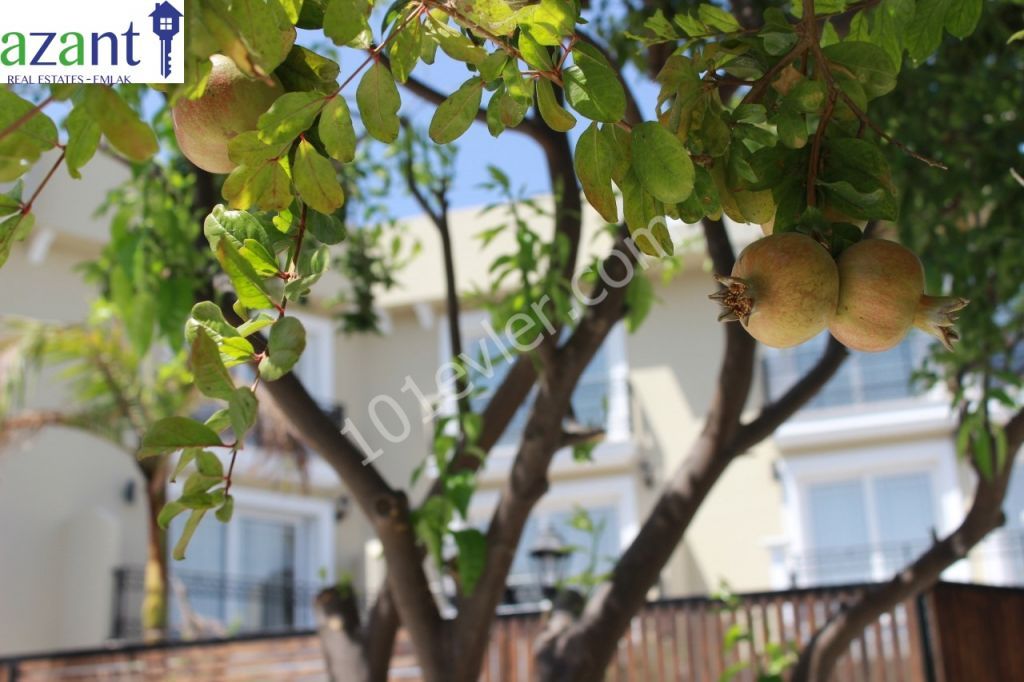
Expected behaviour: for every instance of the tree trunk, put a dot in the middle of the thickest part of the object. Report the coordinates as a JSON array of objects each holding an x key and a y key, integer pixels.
[
  {"x": 337, "y": 623},
  {"x": 154, "y": 602}
]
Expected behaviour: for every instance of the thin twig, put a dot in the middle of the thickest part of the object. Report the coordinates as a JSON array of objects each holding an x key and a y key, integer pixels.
[
  {"x": 815, "y": 161},
  {"x": 27, "y": 206},
  {"x": 859, "y": 113}
]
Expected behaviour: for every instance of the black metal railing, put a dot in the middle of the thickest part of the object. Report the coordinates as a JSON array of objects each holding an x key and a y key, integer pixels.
[{"x": 211, "y": 604}]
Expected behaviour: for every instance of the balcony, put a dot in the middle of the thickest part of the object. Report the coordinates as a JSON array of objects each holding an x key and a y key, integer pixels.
[{"x": 215, "y": 605}]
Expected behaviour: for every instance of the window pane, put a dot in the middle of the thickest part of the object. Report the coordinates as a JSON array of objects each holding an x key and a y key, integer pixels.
[
  {"x": 488, "y": 370},
  {"x": 1013, "y": 532},
  {"x": 202, "y": 572},
  {"x": 863, "y": 378},
  {"x": 268, "y": 564},
  {"x": 840, "y": 549},
  {"x": 905, "y": 513}
]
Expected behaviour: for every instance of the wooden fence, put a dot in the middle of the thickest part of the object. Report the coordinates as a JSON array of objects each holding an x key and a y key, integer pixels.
[{"x": 955, "y": 633}]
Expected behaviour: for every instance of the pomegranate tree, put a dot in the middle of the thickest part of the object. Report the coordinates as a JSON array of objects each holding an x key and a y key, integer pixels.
[{"x": 783, "y": 289}]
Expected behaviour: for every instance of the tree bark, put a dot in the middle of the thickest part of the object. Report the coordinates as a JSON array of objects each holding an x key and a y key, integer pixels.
[
  {"x": 155, "y": 585},
  {"x": 337, "y": 623}
]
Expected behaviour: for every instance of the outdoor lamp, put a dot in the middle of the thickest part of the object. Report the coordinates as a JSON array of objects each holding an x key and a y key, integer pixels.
[{"x": 549, "y": 553}]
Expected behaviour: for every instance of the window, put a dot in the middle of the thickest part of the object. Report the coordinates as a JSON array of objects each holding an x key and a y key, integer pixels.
[
  {"x": 166, "y": 24},
  {"x": 258, "y": 572},
  {"x": 1011, "y": 536},
  {"x": 601, "y": 398},
  {"x": 864, "y": 378},
  {"x": 866, "y": 528}
]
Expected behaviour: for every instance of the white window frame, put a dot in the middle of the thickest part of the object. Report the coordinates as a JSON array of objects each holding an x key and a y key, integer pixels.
[
  {"x": 935, "y": 458},
  {"x": 313, "y": 518},
  {"x": 618, "y": 447},
  {"x": 999, "y": 544}
]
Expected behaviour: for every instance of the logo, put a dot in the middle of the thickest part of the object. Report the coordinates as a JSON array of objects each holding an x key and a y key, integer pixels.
[{"x": 109, "y": 42}]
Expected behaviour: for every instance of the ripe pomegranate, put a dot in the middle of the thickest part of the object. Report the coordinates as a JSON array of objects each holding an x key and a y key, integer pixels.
[
  {"x": 783, "y": 289},
  {"x": 881, "y": 296},
  {"x": 231, "y": 104}
]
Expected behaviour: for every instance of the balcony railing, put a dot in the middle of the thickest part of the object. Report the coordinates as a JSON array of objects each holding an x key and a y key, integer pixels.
[
  {"x": 212, "y": 604},
  {"x": 999, "y": 560}
]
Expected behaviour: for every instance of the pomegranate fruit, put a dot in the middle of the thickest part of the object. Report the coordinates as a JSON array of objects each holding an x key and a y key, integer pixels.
[
  {"x": 783, "y": 289},
  {"x": 881, "y": 296},
  {"x": 231, "y": 104}
]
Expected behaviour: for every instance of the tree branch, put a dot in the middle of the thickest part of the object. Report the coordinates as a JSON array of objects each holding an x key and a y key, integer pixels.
[
  {"x": 820, "y": 655},
  {"x": 387, "y": 509},
  {"x": 582, "y": 651},
  {"x": 776, "y": 413}
]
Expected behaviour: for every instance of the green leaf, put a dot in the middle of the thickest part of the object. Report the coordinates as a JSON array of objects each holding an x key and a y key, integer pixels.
[
  {"x": 14, "y": 228},
  {"x": 962, "y": 17},
  {"x": 187, "y": 532},
  {"x": 261, "y": 260},
  {"x": 167, "y": 514},
  {"x": 225, "y": 511},
  {"x": 83, "y": 140},
  {"x": 552, "y": 113},
  {"x": 186, "y": 458},
  {"x": 493, "y": 65},
  {"x": 924, "y": 33},
  {"x": 405, "y": 48},
  {"x": 242, "y": 409},
  {"x": 336, "y": 130},
  {"x": 247, "y": 148},
  {"x": 379, "y": 102},
  {"x": 866, "y": 62},
  {"x": 639, "y": 300},
  {"x": 593, "y": 162},
  {"x": 495, "y": 126},
  {"x": 807, "y": 96},
  {"x": 454, "y": 115},
  {"x": 592, "y": 86},
  {"x": 316, "y": 180},
  {"x": 266, "y": 186},
  {"x": 289, "y": 115},
  {"x": 535, "y": 54},
  {"x": 209, "y": 465},
  {"x": 211, "y": 377},
  {"x": 644, "y": 217},
  {"x": 454, "y": 44},
  {"x": 858, "y": 181},
  {"x": 326, "y": 228},
  {"x": 284, "y": 347},
  {"x": 174, "y": 433},
  {"x": 344, "y": 20},
  {"x": 306, "y": 70},
  {"x": 22, "y": 147},
  {"x": 431, "y": 523},
  {"x": 472, "y": 548},
  {"x": 661, "y": 163},
  {"x": 717, "y": 18},
  {"x": 119, "y": 122},
  {"x": 249, "y": 286},
  {"x": 207, "y": 316}
]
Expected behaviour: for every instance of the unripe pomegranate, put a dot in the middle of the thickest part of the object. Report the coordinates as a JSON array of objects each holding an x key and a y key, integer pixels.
[
  {"x": 231, "y": 104},
  {"x": 881, "y": 296},
  {"x": 783, "y": 289}
]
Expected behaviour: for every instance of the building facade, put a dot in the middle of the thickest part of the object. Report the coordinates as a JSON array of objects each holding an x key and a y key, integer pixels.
[{"x": 847, "y": 491}]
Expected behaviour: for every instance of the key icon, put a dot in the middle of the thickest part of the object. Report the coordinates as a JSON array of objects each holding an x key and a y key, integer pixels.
[{"x": 166, "y": 25}]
